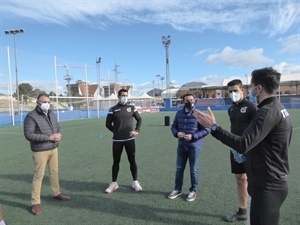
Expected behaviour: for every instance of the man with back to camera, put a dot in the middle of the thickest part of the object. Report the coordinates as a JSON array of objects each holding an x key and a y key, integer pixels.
[
  {"x": 265, "y": 142},
  {"x": 119, "y": 120},
  {"x": 190, "y": 134},
  {"x": 42, "y": 130},
  {"x": 240, "y": 114}
]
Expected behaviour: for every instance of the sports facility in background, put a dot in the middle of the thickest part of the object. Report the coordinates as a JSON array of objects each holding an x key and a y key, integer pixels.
[{"x": 85, "y": 99}]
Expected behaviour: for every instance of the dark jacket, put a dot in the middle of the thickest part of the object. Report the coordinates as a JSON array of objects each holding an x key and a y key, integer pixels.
[
  {"x": 38, "y": 127},
  {"x": 119, "y": 120},
  {"x": 266, "y": 141},
  {"x": 186, "y": 122}
]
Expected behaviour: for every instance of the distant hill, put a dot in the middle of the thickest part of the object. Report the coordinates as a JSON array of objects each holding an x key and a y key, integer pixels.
[{"x": 193, "y": 84}]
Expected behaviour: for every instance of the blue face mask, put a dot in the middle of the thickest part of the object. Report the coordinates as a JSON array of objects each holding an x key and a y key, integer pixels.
[{"x": 253, "y": 98}]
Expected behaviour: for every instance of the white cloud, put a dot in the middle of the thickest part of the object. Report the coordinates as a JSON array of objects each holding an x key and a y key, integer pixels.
[
  {"x": 228, "y": 16},
  {"x": 287, "y": 68},
  {"x": 236, "y": 57},
  {"x": 202, "y": 52},
  {"x": 290, "y": 44}
]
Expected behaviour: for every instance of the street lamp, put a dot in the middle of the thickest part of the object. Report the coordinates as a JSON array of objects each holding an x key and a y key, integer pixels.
[
  {"x": 98, "y": 62},
  {"x": 153, "y": 89},
  {"x": 14, "y": 32},
  {"x": 158, "y": 75}
]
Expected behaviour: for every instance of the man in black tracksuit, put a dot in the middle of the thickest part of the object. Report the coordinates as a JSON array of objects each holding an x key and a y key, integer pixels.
[
  {"x": 240, "y": 114},
  {"x": 265, "y": 142},
  {"x": 119, "y": 120}
]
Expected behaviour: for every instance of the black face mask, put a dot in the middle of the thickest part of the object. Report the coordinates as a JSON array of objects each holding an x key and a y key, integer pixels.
[{"x": 188, "y": 105}]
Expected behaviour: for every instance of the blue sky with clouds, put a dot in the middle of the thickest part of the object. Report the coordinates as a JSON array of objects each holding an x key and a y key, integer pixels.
[{"x": 210, "y": 40}]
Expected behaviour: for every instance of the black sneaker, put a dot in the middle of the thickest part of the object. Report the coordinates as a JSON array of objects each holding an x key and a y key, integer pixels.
[{"x": 236, "y": 217}]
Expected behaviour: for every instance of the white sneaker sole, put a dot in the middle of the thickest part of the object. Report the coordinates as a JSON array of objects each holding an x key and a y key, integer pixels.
[
  {"x": 109, "y": 192},
  {"x": 173, "y": 197}
]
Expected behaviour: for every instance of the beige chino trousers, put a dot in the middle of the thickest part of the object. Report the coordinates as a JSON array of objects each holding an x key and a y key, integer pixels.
[{"x": 41, "y": 160}]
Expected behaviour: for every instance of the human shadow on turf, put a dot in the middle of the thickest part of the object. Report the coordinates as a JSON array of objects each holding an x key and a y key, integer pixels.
[{"x": 90, "y": 196}]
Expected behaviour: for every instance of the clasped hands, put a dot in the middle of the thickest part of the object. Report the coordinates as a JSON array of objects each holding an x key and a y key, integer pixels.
[
  {"x": 187, "y": 137},
  {"x": 55, "y": 137}
]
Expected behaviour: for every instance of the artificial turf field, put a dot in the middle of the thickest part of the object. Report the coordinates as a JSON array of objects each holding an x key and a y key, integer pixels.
[{"x": 85, "y": 161}]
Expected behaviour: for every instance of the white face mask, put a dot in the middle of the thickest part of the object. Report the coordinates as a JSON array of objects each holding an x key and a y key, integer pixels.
[
  {"x": 123, "y": 100},
  {"x": 45, "y": 107},
  {"x": 235, "y": 96}
]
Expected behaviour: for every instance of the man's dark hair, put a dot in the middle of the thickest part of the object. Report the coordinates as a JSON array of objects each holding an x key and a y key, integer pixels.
[
  {"x": 41, "y": 95},
  {"x": 122, "y": 90},
  {"x": 189, "y": 94},
  {"x": 268, "y": 78},
  {"x": 235, "y": 82}
]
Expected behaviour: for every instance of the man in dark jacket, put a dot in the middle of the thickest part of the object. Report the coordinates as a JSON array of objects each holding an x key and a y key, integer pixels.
[
  {"x": 240, "y": 114},
  {"x": 42, "y": 130},
  {"x": 190, "y": 134},
  {"x": 265, "y": 142},
  {"x": 119, "y": 121}
]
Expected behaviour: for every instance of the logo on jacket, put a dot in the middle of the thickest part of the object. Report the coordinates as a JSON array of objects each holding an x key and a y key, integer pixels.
[
  {"x": 129, "y": 109},
  {"x": 243, "y": 109}
]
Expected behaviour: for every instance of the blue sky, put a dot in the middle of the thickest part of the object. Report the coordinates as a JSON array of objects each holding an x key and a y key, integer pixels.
[{"x": 210, "y": 40}]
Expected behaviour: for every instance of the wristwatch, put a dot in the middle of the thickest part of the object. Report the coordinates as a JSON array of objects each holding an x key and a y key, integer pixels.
[{"x": 214, "y": 127}]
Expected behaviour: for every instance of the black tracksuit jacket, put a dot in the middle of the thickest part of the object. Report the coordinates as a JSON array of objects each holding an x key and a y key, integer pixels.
[
  {"x": 266, "y": 141},
  {"x": 119, "y": 120}
]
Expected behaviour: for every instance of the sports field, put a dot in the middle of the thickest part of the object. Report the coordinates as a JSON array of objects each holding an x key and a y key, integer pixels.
[{"x": 85, "y": 162}]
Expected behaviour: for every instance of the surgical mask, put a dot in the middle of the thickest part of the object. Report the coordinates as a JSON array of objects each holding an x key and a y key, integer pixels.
[
  {"x": 253, "y": 98},
  {"x": 188, "y": 105},
  {"x": 123, "y": 100},
  {"x": 235, "y": 96},
  {"x": 45, "y": 107}
]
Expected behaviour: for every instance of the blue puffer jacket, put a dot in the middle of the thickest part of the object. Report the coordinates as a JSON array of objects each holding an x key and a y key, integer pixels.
[
  {"x": 38, "y": 127},
  {"x": 187, "y": 123}
]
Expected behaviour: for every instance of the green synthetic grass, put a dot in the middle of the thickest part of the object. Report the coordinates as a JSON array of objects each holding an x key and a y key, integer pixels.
[{"x": 85, "y": 162}]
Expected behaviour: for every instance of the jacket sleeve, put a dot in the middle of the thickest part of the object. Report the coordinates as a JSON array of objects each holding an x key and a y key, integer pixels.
[
  {"x": 201, "y": 133},
  {"x": 258, "y": 129},
  {"x": 174, "y": 126},
  {"x": 109, "y": 120},
  {"x": 138, "y": 119},
  {"x": 32, "y": 132}
]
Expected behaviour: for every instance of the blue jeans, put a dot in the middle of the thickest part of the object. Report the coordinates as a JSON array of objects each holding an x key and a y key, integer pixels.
[{"x": 182, "y": 156}]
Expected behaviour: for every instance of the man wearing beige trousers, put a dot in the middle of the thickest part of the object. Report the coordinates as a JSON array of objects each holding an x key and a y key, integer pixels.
[{"x": 42, "y": 130}]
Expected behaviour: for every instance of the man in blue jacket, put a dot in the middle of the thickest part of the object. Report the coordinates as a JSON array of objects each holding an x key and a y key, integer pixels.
[
  {"x": 189, "y": 133},
  {"x": 42, "y": 130}
]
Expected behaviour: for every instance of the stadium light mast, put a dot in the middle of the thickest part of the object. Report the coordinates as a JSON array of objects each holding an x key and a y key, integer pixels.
[
  {"x": 158, "y": 75},
  {"x": 14, "y": 32},
  {"x": 98, "y": 62},
  {"x": 166, "y": 41}
]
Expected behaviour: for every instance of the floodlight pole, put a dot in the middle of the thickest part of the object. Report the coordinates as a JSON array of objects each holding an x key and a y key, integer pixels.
[
  {"x": 158, "y": 75},
  {"x": 98, "y": 62},
  {"x": 14, "y": 32},
  {"x": 166, "y": 41}
]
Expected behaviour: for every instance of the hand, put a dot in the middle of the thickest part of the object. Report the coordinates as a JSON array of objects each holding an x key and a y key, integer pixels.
[
  {"x": 205, "y": 119},
  {"x": 55, "y": 137},
  {"x": 180, "y": 134},
  {"x": 133, "y": 133},
  {"x": 188, "y": 137}
]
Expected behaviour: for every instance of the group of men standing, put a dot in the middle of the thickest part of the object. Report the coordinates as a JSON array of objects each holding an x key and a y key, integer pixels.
[{"x": 258, "y": 141}]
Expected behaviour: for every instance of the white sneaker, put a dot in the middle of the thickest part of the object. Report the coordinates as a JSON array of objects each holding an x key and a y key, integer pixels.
[
  {"x": 112, "y": 187},
  {"x": 192, "y": 196},
  {"x": 174, "y": 194},
  {"x": 136, "y": 186}
]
